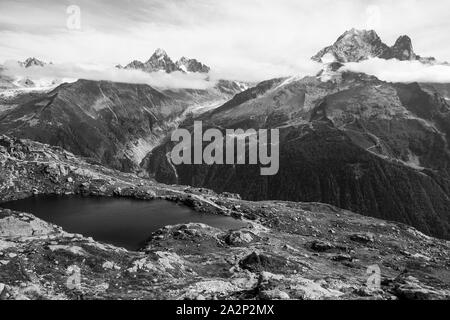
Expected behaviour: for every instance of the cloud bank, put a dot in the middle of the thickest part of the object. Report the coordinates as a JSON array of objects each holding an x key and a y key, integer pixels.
[
  {"x": 241, "y": 71},
  {"x": 401, "y": 71},
  {"x": 66, "y": 71}
]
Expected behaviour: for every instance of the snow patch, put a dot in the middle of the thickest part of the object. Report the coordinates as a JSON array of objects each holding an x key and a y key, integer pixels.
[
  {"x": 413, "y": 161},
  {"x": 204, "y": 107},
  {"x": 288, "y": 81},
  {"x": 183, "y": 68},
  {"x": 328, "y": 58}
]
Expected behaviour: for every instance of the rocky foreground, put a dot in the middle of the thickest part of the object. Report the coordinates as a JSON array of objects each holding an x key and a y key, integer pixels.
[{"x": 287, "y": 251}]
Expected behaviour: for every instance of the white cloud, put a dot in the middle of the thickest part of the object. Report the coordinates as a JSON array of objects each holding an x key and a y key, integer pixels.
[
  {"x": 401, "y": 71},
  {"x": 94, "y": 72}
]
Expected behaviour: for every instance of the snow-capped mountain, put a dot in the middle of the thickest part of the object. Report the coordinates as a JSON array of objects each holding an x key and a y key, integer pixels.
[
  {"x": 192, "y": 65},
  {"x": 12, "y": 84},
  {"x": 32, "y": 62},
  {"x": 357, "y": 45},
  {"x": 160, "y": 61}
]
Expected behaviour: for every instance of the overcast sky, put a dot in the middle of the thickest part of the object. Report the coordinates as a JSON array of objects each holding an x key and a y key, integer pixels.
[{"x": 235, "y": 37}]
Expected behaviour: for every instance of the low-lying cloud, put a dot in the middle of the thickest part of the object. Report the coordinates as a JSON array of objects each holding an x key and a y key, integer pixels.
[
  {"x": 256, "y": 71},
  {"x": 386, "y": 70},
  {"x": 241, "y": 71},
  {"x": 401, "y": 71},
  {"x": 63, "y": 72}
]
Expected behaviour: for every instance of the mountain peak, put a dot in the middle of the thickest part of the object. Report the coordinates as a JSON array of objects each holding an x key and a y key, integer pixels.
[
  {"x": 403, "y": 39},
  {"x": 32, "y": 62},
  {"x": 403, "y": 49},
  {"x": 352, "y": 46},
  {"x": 356, "y": 45},
  {"x": 135, "y": 64},
  {"x": 159, "y": 53},
  {"x": 160, "y": 61},
  {"x": 359, "y": 33}
]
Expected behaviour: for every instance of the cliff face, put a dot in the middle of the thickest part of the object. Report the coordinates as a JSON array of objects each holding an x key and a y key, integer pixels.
[
  {"x": 287, "y": 251},
  {"x": 376, "y": 148}
]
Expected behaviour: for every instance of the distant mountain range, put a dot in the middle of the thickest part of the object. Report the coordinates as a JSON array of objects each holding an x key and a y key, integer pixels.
[
  {"x": 357, "y": 45},
  {"x": 352, "y": 46},
  {"x": 160, "y": 61}
]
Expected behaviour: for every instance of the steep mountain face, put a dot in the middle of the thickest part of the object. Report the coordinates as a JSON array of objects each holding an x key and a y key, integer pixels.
[
  {"x": 353, "y": 46},
  {"x": 116, "y": 124},
  {"x": 160, "y": 61},
  {"x": 357, "y": 45},
  {"x": 356, "y": 142},
  {"x": 403, "y": 49},
  {"x": 442, "y": 89},
  {"x": 93, "y": 119}
]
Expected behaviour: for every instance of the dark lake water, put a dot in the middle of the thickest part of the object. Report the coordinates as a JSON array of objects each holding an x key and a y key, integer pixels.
[{"x": 122, "y": 222}]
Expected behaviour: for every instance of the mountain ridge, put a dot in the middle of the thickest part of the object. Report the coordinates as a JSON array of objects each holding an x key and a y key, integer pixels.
[
  {"x": 160, "y": 61},
  {"x": 357, "y": 45},
  {"x": 114, "y": 123}
]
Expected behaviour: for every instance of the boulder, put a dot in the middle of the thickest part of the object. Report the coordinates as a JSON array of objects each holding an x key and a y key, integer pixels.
[
  {"x": 274, "y": 294},
  {"x": 261, "y": 262},
  {"x": 238, "y": 238},
  {"x": 362, "y": 237},
  {"x": 322, "y": 246}
]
